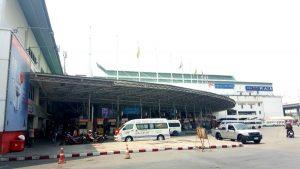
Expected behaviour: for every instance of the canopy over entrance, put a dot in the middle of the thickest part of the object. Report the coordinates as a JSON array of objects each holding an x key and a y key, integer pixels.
[{"x": 102, "y": 90}]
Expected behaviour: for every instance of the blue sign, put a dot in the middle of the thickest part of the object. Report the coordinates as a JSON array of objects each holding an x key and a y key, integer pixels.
[
  {"x": 18, "y": 84},
  {"x": 224, "y": 85},
  {"x": 133, "y": 110},
  {"x": 259, "y": 88}
]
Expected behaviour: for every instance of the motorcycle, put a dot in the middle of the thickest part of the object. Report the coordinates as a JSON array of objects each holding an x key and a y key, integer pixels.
[
  {"x": 290, "y": 134},
  {"x": 69, "y": 139},
  {"x": 95, "y": 138}
]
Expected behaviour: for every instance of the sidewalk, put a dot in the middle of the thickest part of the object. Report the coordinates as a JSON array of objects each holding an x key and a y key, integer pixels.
[{"x": 47, "y": 151}]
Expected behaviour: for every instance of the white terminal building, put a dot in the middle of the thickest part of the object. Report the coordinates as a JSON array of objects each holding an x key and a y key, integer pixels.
[{"x": 254, "y": 100}]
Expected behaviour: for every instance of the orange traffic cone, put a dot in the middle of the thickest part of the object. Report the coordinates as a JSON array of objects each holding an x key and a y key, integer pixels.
[
  {"x": 127, "y": 154},
  {"x": 61, "y": 159}
]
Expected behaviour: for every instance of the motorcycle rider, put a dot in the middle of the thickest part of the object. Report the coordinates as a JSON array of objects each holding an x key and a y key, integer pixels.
[
  {"x": 288, "y": 127},
  {"x": 90, "y": 136}
]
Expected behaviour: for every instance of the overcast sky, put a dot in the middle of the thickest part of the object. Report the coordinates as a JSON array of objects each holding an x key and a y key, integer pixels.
[{"x": 257, "y": 40}]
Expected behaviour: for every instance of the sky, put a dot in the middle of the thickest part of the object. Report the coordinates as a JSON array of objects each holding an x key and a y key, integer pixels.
[{"x": 257, "y": 40}]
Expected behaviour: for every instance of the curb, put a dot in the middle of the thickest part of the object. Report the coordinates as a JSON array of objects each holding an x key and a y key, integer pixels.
[{"x": 102, "y": 153}]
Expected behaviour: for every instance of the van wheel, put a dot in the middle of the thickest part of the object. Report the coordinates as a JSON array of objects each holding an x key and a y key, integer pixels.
[
  {"x": 218, "y": 136},
  {"x": 160, "y": 137},
  {"x": 175, "y": 133},
  {"x": 128, "y": 138},
  {"x": 256, "y": 141}
]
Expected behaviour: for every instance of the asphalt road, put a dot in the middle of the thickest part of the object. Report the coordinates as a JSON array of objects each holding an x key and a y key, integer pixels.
[{"x": 276, "y": 151}]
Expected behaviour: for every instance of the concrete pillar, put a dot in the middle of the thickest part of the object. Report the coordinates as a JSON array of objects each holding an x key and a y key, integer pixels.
[
  {"x": 36, "y": 95},
  {"x": 35, "y": 122}
]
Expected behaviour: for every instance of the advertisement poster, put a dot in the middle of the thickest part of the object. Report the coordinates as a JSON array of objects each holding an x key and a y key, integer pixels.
[
  {"x": 18, "y": 84},
  {"x": 105, "y": 113}
]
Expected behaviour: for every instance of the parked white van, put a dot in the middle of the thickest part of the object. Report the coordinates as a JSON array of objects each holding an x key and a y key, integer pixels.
[
  {"x": 175, "y": 127},
  {"x": 143, "y": 129}
]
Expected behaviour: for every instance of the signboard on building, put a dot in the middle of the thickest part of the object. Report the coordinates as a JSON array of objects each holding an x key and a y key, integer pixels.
[
  {"x": 259, "y": 88},
  {"x": 18, "y": 85},
  {"x": 224, "y": 85}
]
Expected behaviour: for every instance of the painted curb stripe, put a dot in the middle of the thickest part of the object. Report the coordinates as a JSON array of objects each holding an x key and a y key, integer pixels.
[
  {"x": 103, "y": 153},
  {"x": 142, "y": 150},
  {"x": 44, "y": 157}
]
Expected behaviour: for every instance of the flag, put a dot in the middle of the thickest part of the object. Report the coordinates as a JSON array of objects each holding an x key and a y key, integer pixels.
[
  {"x": 138, "y": 53},
  {"x": 181, "y": 65},
  {"x": 195, "y": 72}
]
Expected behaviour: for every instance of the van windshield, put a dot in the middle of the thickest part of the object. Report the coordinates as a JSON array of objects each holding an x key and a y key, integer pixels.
[{"x": 174, "y": 125}]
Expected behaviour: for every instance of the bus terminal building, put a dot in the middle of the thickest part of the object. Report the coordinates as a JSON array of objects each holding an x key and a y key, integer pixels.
[{"x": 36, "y": 95}]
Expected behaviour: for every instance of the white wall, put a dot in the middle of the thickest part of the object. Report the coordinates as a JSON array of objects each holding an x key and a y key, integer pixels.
[
  {"x": 14, "y": 18},
  {"x": 4, "y": 55},
  {"x": 272, "y": 106}
]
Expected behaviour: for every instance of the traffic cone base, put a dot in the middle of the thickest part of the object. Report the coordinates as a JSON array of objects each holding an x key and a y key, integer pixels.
[
  {"x": 127, "y": 154},
  {"x": 61, "y": 159}
]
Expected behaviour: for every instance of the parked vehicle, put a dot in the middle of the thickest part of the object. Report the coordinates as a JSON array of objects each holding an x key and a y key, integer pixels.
[
  {"x": 254, "y": 124},
  {"x": 95, "y": 138},
  {"x": 175, "y": 127},
  {"x": 251, "y": 123},
  {"x": 273, "y": 123},
  {"x": 143, "y": 129},
  {"x": 237, "y": 131},
  {"x": 69, "y": 139}
]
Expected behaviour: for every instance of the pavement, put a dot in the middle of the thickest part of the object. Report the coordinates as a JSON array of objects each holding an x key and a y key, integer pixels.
[
  {"x": 276, "y": 152},
  {"x": 51, "y": 151}
]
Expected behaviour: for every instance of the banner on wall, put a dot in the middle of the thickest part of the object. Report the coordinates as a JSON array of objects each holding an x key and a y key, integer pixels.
[
  {"x": 224, "y": 85},
  {"x": 259, "y": 88},
  {"x": 18, "y": 86}
]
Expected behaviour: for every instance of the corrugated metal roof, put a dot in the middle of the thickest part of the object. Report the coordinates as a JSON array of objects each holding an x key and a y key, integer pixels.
[{"x": 37, "y": 17}]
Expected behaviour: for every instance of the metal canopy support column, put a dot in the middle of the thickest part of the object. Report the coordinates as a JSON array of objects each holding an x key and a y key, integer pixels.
[
  {"x": 194, "y": 112},
  {"x": 119, "y": 118},
  {"x": 175, "y": 111},
  {"x": 90, "y": 122},
  {"x": 89, "y": 107},
  {"x": 159, "y": 108},
  {"x": 141, "y": 108},
  {"x": 185, "y": 110}
]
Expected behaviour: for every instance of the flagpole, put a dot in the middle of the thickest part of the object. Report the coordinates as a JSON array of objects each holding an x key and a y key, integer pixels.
[
  {"x": 117, "y": 56},
  {"x": 155, "y": 50}
]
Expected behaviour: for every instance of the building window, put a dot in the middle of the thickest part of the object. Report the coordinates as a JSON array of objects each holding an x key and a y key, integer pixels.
[
  {"x": 231, "y": 112},
  {"x": 247, "y": 112},
  {"x": 258, "y": 104},
  {"x": 259, "y": 112}
]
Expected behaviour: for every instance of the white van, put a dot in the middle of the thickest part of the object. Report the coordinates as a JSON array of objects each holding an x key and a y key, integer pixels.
[
  {"x": 175, "y": 127},
  {"x": 143, "y": 129}
]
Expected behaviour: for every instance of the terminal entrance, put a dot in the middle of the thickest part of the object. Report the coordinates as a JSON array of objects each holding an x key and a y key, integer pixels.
[{"x": 79, "y": 104}]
